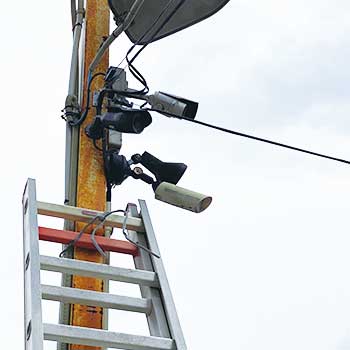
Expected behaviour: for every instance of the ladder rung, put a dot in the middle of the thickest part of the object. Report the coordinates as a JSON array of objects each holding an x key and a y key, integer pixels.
[
  {"x": 86, "y": 297},
  {"x": 81, "y": 214},
  {"x": 90, "y": 269},
  {"x": 107, "y": 244},
  {"x": 96, "y": 337}
]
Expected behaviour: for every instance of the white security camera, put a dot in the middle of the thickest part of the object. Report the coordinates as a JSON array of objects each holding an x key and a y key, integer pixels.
[
  {"x": 181, "y": 197},
  {"x": 171, "y": 104}
]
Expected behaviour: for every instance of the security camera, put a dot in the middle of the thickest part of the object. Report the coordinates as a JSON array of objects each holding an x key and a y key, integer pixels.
[
  {"x": 131, "y": 121},
  {"x": 181, "y": 197},
  {"x": 171, "y": 105},
  {"x": 167, "y": 175}
]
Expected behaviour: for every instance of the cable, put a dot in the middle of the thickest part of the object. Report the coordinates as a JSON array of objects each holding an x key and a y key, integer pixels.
[
  {"x": 102, "y": 218},
  {"x": 167, "y": 19},
  {"x": 87, "y": 107},
  {"x": 268, "y": 141},
  {"x": 132, "y": 68},
  {"x": 137, "y": 244},
  {"x": 105, "y": 91},
  {"x": 137, "y": 75},
  {"x": 146, "y": 32},
  {"x": 104, "y": 156},
  {"x": 152, "y": 26},
  {"x": 127, "y": 21},
  {"x": 121, "y": 28},
  {"x": 252, "y": 137},
  {"x": 102, "y": 221},
  {"x": 72, "y": 243},
  {"x": 96, "y": 145}
]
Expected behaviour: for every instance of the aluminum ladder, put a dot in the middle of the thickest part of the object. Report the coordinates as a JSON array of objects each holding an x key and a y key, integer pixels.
[{"x": 156, "y": 302}]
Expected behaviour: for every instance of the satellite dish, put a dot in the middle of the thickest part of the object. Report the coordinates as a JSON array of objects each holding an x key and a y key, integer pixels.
[{"x": 189, "y": 13}]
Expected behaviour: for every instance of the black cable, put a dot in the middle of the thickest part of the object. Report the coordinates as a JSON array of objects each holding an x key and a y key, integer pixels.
[
  {"x": 77, "y": 25},
  {"x": 140, "y": 77},
  {"x": 105, "y": 92},
  {"x": 84, "y": 114},
  {"x": 137, "y": 75},
  {"x": 133, "y": 70},
  {"x": 96, "y": 145},
  {"x": 252, "y": 137},
  {"x": 143, "y": 105},
  {"x": 268, "y": 141},
  {"x": 172, "y": 13},
  {"x": 152, "y": 26},
  {"x": 149, "y": 29},
  {"x": 105, "y": 153}
]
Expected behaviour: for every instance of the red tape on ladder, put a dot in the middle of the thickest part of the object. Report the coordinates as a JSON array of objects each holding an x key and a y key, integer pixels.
[{"x": 107, "y": 244}]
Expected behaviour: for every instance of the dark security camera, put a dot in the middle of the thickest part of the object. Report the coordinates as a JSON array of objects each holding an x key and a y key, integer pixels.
[{"x": 132, "y": 121}]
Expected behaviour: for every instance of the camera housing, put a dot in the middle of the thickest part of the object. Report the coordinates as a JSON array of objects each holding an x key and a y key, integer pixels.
[
  {"x": 172, "y": 105},
  {"x": 132, "y": 121},
  {"x": 182, "y": 197}
]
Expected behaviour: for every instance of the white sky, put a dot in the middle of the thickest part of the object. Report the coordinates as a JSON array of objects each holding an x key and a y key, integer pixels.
[{"x": 266, "y": 266}]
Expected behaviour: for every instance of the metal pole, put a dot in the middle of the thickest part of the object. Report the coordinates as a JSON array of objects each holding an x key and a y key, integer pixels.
[
  {"x": 72, "y": 141},
  {"x": 72, "y": 134},
  {"x": 85, "y": 181}
]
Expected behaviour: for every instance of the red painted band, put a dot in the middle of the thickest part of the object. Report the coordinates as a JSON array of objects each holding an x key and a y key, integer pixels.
[{"x": 107, "y": 244}]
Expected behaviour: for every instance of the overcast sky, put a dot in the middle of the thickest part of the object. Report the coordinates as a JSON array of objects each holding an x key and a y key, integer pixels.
[{"x": 267, "y": 265}]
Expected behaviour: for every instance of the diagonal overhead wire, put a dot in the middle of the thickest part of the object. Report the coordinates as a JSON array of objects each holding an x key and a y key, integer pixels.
[
  {"x": 260, "y": 139},
  {"x": 252, "y": 137}
]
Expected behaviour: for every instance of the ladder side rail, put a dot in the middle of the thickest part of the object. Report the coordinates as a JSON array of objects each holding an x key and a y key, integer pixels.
[
  {"x": 32, "y": 288},
  {"x": 169, "y": 305},
  {"x": 157, "y": 320}
]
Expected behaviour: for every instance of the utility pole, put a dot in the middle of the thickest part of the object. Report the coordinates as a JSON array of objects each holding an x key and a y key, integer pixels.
[
  {"x": 91, "y": 170},
  {"x": 85, "y": 182},
  {"x": 85, "y": 179}
]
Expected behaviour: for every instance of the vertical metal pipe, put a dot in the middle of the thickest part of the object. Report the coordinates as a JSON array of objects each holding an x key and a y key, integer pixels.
[
  {"x": 73, "y": 90},
  {"x": 72, "y": 142}
]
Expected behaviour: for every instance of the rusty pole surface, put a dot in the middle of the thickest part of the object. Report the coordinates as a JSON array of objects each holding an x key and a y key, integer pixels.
[{"x": 91, "y": 184}]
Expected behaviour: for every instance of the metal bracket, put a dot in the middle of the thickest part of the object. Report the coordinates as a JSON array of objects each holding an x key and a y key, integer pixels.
[{"x": 71, "y": 108}]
